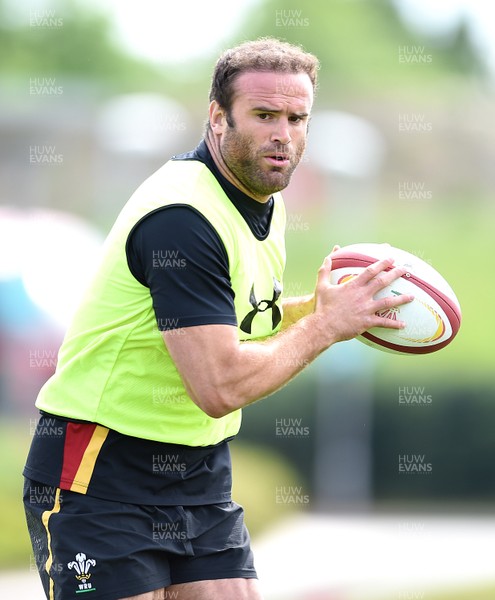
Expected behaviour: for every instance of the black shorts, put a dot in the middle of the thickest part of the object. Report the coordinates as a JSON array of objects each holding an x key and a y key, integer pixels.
[{"x": 113, "y": 550}]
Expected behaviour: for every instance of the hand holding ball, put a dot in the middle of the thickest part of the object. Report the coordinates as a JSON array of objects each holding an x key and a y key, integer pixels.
[{"x": 432, "y": 319}]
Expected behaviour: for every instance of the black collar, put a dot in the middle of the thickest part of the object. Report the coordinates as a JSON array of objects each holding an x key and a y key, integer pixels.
[{"x": 258, "y": 215}]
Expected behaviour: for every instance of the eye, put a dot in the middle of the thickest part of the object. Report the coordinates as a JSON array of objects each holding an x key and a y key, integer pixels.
[
  {"x": 296, "y": 119},
  {"x": 264, "y": 116}
]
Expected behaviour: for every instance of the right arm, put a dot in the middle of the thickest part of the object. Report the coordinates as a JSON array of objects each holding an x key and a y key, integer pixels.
[{"x": 222, "y": 374}]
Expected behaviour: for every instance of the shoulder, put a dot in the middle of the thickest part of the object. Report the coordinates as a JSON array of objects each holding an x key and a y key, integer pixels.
[{"x": 180, "y": 222}]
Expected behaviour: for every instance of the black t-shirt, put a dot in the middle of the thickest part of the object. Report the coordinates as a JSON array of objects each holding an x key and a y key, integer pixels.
[
  {"x": 177, "y": 253},
  {"x": 128, "y": 469}
]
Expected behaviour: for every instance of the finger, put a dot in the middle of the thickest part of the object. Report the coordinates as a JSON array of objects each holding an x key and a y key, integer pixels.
[
  {"x": 392, "y": 302},
  {"x": 371, "y": 271},
  {"x": 388, "y": 323},
  {"x": 324, "y": 270},
  {"x": 386, "y": 278},
  {"x": 387, "y": 303},
  {"x": 335, "y": 248}
]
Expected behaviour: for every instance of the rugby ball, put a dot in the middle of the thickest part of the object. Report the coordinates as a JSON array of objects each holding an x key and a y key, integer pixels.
[{"x": 432, "y": 319}]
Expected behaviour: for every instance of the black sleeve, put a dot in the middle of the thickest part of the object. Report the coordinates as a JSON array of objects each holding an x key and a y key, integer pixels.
[{"x": 178, "y": 254}]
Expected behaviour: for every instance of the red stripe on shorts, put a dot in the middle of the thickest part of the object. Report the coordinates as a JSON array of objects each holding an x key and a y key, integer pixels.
[{"x": 77, "y": 438}]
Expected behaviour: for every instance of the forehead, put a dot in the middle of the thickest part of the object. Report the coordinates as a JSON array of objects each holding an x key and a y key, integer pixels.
[{"x": 294, "y": 89}]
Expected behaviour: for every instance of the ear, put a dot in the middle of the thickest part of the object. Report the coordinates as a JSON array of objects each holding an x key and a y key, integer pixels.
[{"x": 218, "y": 118}]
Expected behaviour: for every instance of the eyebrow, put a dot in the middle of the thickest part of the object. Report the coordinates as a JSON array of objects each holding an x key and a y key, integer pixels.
[{"x": 266, "y": 109}]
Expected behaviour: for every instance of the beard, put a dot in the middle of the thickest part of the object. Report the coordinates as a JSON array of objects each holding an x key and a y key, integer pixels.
[{"x": 245, "y": 160}]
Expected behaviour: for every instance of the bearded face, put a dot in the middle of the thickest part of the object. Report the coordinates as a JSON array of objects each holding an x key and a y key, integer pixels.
[
  {"x": 263, "y": 168},
  {"x": 264, "y": 133}
]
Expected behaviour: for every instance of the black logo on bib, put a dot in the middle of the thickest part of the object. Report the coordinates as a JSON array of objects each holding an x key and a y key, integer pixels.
[{"x": 262, "y": 306}]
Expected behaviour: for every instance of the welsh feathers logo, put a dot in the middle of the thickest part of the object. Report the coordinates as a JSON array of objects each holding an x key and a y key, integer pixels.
[
  {"x": 390, "y": 313},
  {"x": 81, "y": 566}
]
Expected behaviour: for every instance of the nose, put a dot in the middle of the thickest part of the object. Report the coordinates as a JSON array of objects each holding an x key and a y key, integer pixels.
[{"x": 281, "y": 133}]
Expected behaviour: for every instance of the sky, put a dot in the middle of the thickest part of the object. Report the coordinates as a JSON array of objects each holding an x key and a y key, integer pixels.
[
  {"x": 156, "y": 29},
  {"x": 164, "y": 31},
  {"x": 172, "y": 28}
]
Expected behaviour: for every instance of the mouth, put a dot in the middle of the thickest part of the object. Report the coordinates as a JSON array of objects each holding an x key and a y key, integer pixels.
[{"x": 279, "y": 160}]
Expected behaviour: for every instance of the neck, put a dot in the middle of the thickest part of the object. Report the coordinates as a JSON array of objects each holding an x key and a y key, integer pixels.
[{"x": 213, "y": 143}]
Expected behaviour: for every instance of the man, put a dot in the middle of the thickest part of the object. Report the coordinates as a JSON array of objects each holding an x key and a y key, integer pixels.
[{"x": 182, "y": 326}]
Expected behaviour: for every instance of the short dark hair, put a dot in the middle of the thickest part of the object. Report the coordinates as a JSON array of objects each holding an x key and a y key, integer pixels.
[{"x": 264, "y": 54}]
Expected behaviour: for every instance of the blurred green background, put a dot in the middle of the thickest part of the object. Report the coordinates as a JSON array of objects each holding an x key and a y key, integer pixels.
[{"x": 401, "y": 150}]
